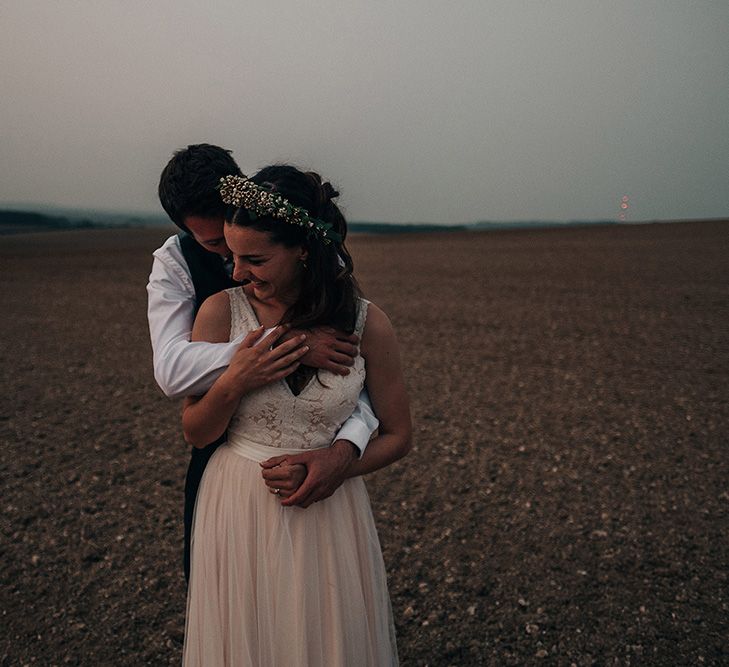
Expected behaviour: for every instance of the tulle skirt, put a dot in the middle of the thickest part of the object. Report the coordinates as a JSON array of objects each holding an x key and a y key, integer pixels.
[{"x": 284, "y": 586}]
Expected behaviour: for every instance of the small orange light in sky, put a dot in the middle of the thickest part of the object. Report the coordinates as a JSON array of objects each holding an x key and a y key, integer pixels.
[{"x": 624, "y": 206}]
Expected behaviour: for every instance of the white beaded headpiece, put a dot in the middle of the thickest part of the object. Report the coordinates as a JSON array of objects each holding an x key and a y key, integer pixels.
[{"x": 259, "y": 202}]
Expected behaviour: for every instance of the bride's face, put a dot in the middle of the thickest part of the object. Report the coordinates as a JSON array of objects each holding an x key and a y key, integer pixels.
[{"x": 274, "y": 271}]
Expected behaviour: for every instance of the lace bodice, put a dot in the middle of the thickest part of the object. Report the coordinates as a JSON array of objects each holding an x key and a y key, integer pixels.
[{"x": 273, "y": 415}]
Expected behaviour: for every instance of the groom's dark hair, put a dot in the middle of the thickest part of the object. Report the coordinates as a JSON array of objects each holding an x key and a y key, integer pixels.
[{"x": 188, "y": 184}]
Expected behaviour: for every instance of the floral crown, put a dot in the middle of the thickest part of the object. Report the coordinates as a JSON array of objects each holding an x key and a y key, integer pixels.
[{"x": 259, "y": 201}]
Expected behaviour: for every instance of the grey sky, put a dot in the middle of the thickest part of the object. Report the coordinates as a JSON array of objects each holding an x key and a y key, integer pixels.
[{"x": 419, "y": 110}]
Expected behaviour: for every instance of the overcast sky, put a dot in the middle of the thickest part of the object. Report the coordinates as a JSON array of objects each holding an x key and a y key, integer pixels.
[{"x": 419, "y": 110}]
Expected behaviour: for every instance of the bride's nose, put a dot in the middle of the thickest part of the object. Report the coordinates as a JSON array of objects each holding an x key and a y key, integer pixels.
[{"x": 240, "y": 273}]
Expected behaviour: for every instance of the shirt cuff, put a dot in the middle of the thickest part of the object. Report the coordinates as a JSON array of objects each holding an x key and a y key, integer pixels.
[{"x": 357, "y": 433}]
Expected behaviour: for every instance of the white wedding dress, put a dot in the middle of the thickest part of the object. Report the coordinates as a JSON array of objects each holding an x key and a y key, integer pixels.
[{"x": 285, "y": 586}]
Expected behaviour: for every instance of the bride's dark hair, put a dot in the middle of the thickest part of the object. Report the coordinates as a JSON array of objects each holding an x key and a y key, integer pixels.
[{"x": 329, "y": 290}]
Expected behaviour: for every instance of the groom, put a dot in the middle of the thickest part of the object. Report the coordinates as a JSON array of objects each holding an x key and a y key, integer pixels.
[{"x": 193, "y": 265}]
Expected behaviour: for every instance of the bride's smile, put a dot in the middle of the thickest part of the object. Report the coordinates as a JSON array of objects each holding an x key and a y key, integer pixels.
[{"x": 274, "y": 271}]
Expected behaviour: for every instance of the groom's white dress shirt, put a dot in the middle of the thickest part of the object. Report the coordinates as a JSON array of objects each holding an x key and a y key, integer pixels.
[{"x": 183, "y": 368}]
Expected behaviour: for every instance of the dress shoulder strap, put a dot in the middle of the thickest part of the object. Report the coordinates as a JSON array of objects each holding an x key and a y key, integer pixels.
[
  {"x": 361, "y": 316},
  {"x": 242, "y": 317}
]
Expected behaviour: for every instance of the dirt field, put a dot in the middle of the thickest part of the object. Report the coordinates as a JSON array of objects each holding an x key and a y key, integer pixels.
[{"x": 566, "y": 501}]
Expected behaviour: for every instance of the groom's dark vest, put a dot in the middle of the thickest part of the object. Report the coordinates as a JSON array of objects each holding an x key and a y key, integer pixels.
[
  {"x": 208, "y": 277},
  {"x": 206, "y": 268}
]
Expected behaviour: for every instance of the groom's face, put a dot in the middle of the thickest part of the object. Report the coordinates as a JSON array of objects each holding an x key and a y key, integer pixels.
[{"x": 208, "y": 232}]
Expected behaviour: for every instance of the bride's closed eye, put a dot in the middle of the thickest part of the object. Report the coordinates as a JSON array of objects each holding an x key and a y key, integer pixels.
[{"x": 254, "y": 260}]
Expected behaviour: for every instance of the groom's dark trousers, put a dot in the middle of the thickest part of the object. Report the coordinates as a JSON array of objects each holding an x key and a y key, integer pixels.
[{"x": 209, "y": 277}]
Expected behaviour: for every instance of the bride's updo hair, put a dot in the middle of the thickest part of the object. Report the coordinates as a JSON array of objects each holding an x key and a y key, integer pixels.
[{"x": 329, "y": 290}]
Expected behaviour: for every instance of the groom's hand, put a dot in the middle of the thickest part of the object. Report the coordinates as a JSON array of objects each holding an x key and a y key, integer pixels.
[
  {"x": 329, "y": 349},
  {"x": 326, "y": 469}
]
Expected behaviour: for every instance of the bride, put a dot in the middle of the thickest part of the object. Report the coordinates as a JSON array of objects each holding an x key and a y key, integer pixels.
[{"x": 273, "y": 584}]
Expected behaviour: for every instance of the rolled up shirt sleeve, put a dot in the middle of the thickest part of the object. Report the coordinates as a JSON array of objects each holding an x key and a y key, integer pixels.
[
  {"x": 181, "y": 368},
  {"x": 360, "y": 426}
]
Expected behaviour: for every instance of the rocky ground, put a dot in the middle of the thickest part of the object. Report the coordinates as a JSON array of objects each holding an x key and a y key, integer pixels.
[{"x": 566, "y": 501}]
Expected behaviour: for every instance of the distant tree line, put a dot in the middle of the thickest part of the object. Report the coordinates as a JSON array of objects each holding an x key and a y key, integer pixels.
[{"x": 20, "y": 221}]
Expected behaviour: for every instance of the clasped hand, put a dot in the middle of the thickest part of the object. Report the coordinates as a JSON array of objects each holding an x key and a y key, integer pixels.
[
  {"x": 260, "y": 361},
  {"x": 329, "y": 349},
  {"x": 256, "y": 363},
  {"x": 308, "y": 477}
]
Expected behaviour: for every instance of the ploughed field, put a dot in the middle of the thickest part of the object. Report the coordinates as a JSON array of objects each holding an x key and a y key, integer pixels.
[{"x": 566, "y": 500}]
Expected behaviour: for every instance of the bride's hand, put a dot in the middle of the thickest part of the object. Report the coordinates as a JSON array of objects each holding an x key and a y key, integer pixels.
[
  {"x": 285, "y": 478},
  {"x": 255, "y": 364}
]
